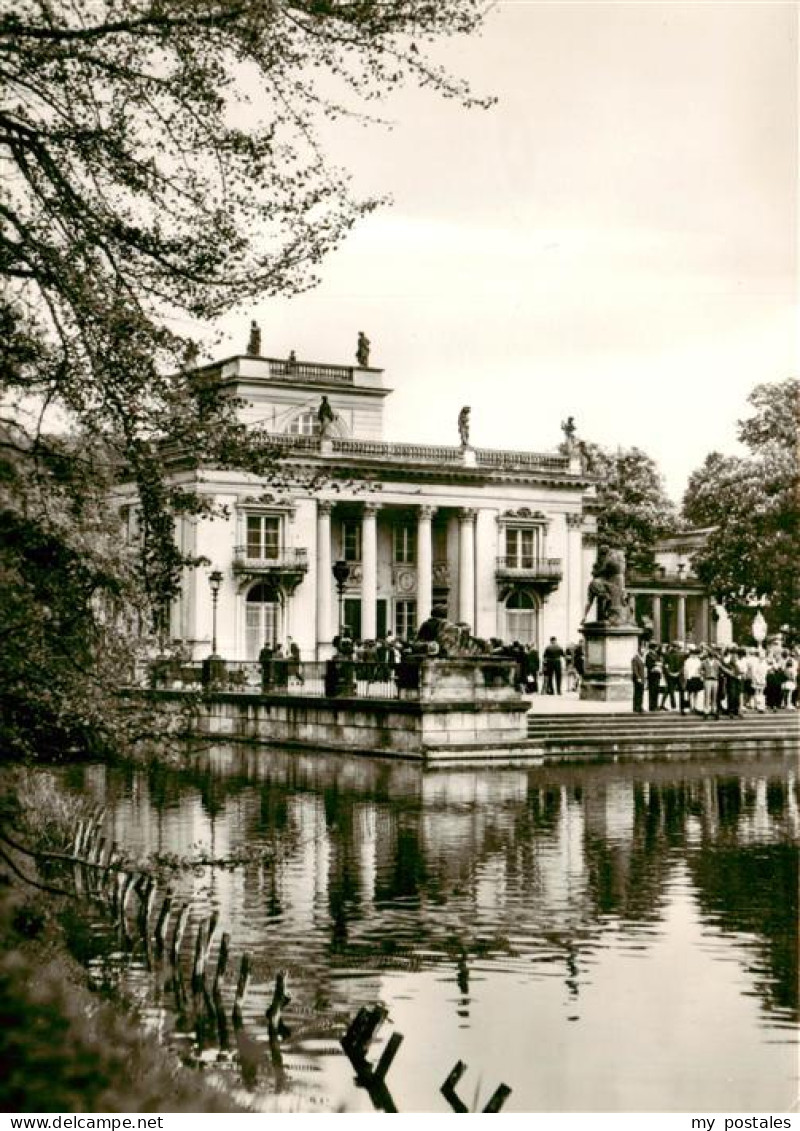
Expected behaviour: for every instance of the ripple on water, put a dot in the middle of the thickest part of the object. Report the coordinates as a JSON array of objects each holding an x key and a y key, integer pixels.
[{"x": 657, "y": 904}]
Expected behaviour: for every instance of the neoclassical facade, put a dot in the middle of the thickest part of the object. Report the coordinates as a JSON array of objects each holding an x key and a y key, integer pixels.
[{"x": 503, "y": 539}]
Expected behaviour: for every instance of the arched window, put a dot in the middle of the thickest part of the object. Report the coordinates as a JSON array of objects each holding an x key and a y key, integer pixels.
[
  {"x": 306, "y": 424},
  {"x": 262, "y": 615},
  {"x": 521, "y": 617}
]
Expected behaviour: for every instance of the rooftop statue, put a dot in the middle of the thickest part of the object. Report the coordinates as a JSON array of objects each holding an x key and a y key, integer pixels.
[
  {"x": 463, "y": 426},
  {"x": 607, "y": 589},
  {"x": 569, "y": 429},
  {"x": 362, "y": 350},
  {"x": 254, "y": 341}
]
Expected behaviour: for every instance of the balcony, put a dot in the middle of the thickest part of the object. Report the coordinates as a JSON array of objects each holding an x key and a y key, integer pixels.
[
  {"x": 530, "y": 571},
  {"x": 285, "y": 569}
]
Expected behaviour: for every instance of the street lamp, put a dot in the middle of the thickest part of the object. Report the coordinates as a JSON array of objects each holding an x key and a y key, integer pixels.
[
  {"x": 215, "y": 581},
  {"x": 341, "y": 575}
]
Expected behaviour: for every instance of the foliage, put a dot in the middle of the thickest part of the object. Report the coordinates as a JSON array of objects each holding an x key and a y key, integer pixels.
[
  {"x": 63, "y": 1049},
  {"x": 752, "y": 503},
  {"x": 634, "y": 510},
  {"x": 161, "y": 161}
]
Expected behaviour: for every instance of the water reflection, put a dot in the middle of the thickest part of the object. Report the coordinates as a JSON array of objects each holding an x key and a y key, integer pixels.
[{"x": 601, "y": 937}]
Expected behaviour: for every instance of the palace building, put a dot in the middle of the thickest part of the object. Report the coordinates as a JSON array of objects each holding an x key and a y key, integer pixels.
[{"x": 504, "y": 540}]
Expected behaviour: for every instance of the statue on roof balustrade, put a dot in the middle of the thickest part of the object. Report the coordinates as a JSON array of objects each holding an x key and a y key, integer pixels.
[
  {"x": 254, "y": 341},
  {"x": 463, "y": 426},
  {"x": 362, "y": 350}
]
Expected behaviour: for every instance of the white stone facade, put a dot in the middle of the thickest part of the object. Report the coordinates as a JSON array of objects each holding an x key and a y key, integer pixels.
[{"x": 501, "y": 539}]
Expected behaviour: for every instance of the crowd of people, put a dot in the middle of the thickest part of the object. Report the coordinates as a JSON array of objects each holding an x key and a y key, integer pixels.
[
  {"x": 714, "y": 681},
  {"x": 553, "y": 671}
]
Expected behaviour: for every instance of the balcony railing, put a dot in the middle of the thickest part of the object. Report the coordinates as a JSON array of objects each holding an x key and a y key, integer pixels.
[
  {"x": 523, "y": 461},
  {"x": 413, "y": 453},
  {"x": 289, "y": 561},
  {"x": 311, "y": 371},
  {"x": 529, "y": 569}
]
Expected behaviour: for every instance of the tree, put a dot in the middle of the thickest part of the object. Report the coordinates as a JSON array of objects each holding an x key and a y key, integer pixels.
[
  {"x": 161, "y": 161},
  {"x": 633, "y": 508},
  {"x": 753, "y": 505}
]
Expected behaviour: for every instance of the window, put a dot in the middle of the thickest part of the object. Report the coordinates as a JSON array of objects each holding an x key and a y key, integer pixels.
[
  {"x": 129, "y": 517},
  {"x": 263, "y": 536},
  {"x": 522, "y": 544},
  {"x": 306, "y": 424},
  {"x": 261, "y": 619},
  {"x": 351, "y": 541},
  {"x": 405, "y": 619},
  {"x": 405, "y": 545},
  {"x": 521, "y": 618},
  {"x": 352, "y": 616}
]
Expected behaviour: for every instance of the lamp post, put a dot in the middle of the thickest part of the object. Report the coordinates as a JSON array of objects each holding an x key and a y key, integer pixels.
[
  {"x": 341, "y": 574},
  {"x": 215, "y": 581}
]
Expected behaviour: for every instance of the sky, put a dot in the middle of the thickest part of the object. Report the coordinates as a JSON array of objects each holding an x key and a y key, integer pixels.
[{"x": 614, "y": 240}]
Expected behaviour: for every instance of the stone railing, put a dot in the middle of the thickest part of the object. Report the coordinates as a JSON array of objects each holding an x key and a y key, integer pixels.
[
  {"x": 416, "y": 453},
  {"x": 509, "y": 460},
  {"x": 388, "y": 451},
  {"x": 530, "y": 568},
  {"x": 289, "y": 560},
  {"x": 313, "y": 372}
]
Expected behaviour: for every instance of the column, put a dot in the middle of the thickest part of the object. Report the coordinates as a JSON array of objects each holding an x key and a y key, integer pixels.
[
  {"x": 424, "y": 564},
  {"x": 573, "y": 577},
  {"x": 466, "y": 566},
  {"x": 324, "y": 575},
  {"x": 369, "y": 571},
  {"x": 656, "y": 618},
  {"x": 681, "y": 618}
]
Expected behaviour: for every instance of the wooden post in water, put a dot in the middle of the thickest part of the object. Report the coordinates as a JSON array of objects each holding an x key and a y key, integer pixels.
[
  {"x": 280, "y": 999},
  {"x": 199, "y": 963},
  {"x": 448, "y": 1088},
  {"x": 161, "y": 923},
  {"x": 222, "y": 962},
  {"x": 242, "y": 987},
  {"x": 498, "y": 1099},
  {"x": 177, "y": 938},
  {"x": 355, "y": 1043}
]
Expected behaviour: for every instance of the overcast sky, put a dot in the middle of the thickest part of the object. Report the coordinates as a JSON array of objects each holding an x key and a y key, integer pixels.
[{"x": 614, "y": 240}]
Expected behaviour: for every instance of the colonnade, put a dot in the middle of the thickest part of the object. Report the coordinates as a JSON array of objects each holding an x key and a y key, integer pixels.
[{"x": 369, "y": 568}]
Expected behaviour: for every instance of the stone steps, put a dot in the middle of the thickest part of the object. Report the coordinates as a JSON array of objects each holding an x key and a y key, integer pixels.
[{"x": 660, "y": 733}]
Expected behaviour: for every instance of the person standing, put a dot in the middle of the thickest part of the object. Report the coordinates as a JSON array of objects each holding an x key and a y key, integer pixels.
[
  {"x": 638, "y": 675},
  {"x": 673, "y": 664},
  {"x": 553, "y": 658},
  {"x": 655, "y": 669},
  {"x": 692, "y": 679},
  {"x": 531, "y": 669},
  {"x": 709, "y": 672},
  {"x": 265, "y": 663}
]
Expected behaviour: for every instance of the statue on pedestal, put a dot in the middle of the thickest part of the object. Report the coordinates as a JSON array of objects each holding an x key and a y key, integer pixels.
[
  {"x": 326, "y": 417},
  {"x": 463, "y": 426},
  {"x": 607, "y": 589},
  {"x": 569, "y": 430},
  {"x": 362, "y": 350},
  {"x": 254, "y": 341}
]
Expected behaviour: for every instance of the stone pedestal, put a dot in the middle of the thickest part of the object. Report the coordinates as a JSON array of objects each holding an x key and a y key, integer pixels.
[{"x": 608, "y": 650}]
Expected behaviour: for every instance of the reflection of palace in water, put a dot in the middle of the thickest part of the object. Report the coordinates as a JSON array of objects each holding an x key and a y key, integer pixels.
[{"x": 387, "y": 864}]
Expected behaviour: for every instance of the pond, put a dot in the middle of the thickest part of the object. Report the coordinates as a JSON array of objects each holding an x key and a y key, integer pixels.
[{"x": 609, "y": 937}]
